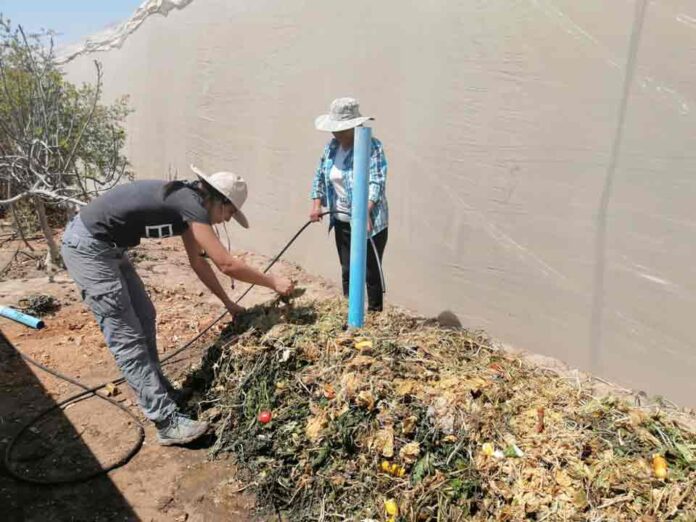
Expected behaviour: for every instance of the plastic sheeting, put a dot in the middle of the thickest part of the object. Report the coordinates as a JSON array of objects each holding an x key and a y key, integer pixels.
[
  {"x": 113, "y": 38},
  {"x": 538, "y": 188}
]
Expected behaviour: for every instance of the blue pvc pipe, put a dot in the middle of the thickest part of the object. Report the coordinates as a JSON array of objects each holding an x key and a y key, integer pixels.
[
  {"x": 358, "y": 227},
  {"x": 15, "y": 315}
]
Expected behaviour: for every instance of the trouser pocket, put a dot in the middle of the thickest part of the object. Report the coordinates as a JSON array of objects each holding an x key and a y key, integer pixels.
[{"x": 105, "y": 299}]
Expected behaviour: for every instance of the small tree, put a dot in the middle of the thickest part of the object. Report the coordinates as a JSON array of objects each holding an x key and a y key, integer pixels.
[{"x": 58, "y": 144}]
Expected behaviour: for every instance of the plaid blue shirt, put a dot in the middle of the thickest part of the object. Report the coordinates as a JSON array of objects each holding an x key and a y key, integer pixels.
[{"x": 322, "y": 188}]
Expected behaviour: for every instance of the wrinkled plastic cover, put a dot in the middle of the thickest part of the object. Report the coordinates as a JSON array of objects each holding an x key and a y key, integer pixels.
[
  {"x": 541, "y": 154},
  {"x": 114, "y": 37}
]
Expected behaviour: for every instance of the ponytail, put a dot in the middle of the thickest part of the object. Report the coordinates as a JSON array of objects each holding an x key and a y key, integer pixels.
[
  {"x": 202, "y": 187},
  {"x": 173, "y": 186}
]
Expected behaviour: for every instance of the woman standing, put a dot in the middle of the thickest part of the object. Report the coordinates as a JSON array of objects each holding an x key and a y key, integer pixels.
[
  {"x": 94, "y": 250},
  {"x": 332, "y": 188}
]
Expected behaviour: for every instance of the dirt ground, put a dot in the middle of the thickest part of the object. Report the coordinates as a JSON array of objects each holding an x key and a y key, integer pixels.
[{"x": 158, "y": 484}]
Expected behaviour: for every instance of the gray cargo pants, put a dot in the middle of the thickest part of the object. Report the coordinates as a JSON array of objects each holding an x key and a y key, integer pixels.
[{"x": 114, "y": 292}]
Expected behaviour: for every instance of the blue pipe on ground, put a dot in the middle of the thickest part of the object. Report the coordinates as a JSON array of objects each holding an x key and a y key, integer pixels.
[
  {"x": 16, "y": 315},
  {"x": 358, "y": 227}
]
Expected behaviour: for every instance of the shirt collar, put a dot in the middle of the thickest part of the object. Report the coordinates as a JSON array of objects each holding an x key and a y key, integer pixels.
[{"x": 333, "y": 147}]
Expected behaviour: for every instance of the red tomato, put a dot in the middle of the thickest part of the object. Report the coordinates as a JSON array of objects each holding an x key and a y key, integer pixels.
[{"x": 265, "y": 417}]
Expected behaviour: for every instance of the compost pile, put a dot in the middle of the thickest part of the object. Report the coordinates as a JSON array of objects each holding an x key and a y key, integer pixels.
[{"x": 406, "y": 420}]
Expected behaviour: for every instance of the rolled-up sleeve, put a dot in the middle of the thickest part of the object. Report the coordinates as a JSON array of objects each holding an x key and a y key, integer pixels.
[
  {"x": 378, "y": 172},
  {"x": 319, "y": 183}
]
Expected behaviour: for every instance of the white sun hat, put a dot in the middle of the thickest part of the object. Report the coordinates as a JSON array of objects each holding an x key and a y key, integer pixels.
[
  {"x": 230, "y": 185},
  {"x": 344, "y": 114}
]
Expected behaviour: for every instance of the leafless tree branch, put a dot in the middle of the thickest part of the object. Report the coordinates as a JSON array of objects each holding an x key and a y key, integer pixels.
[{"x": 57, "y": 143}]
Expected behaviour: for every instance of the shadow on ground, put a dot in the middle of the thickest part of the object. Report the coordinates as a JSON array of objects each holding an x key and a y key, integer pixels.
[{"x": 54, "y": 449}]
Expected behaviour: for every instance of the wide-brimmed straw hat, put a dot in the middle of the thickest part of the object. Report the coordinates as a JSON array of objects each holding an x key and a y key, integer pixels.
[
  {"x": 230, "y": 185},
  {"x": 344, "y": 114}
]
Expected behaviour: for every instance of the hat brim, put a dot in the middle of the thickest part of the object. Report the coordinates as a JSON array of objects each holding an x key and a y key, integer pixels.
[
  {"x": 238, "y": 216},
  {"x": 325, "y": 123}
]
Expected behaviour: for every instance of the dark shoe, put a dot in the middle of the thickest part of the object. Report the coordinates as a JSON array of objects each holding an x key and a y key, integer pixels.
[{"x": 179, "y": 429}]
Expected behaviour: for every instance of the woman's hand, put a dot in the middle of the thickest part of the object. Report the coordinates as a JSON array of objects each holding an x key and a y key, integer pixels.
[
  {"x": 283, "y": 285},
  {"x": 315, "y": 213},
  {"x": 234, "y": 308},
  {"x": 370, "y": 206}
]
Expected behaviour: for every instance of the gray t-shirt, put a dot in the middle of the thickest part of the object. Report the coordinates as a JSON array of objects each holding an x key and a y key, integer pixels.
[{"x": 129, "y": 212}]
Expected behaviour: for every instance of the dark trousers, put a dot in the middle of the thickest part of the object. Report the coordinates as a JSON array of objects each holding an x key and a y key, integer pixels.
[{"x": 374, "y": 282}]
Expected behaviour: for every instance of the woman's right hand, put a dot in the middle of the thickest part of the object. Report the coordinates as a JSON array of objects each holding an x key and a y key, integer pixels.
[
  {"x": 283, "y": 285},
  {"x": 315, "y": 213}
]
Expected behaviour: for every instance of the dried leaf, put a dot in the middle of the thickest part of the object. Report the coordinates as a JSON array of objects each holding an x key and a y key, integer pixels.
[
  {"x": 315, "y": 425},
  {"x": 361, "y": 361},
  {"x": 383, "y": 442},
  {"x": 409, "y": 425},
  {"x": 580, "y": 499},
  {"x": 350, "y": 384},
  {"x": 457, "y": 383},
  {"x": 410, "y": 452},
  {"x": 366, "y": 399},
  {"x": 361, "y": 345},
  {"x": 329, "y": 391},
  {"x": 338, "y": 480},
  {"x": 637, "y": 417},
  {"x": 404, "y": 387},
  {"x": 562, "y": 478}
]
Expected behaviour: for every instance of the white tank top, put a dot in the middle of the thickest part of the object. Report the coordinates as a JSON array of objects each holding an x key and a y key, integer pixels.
[{"x": 336, "y": 176}]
